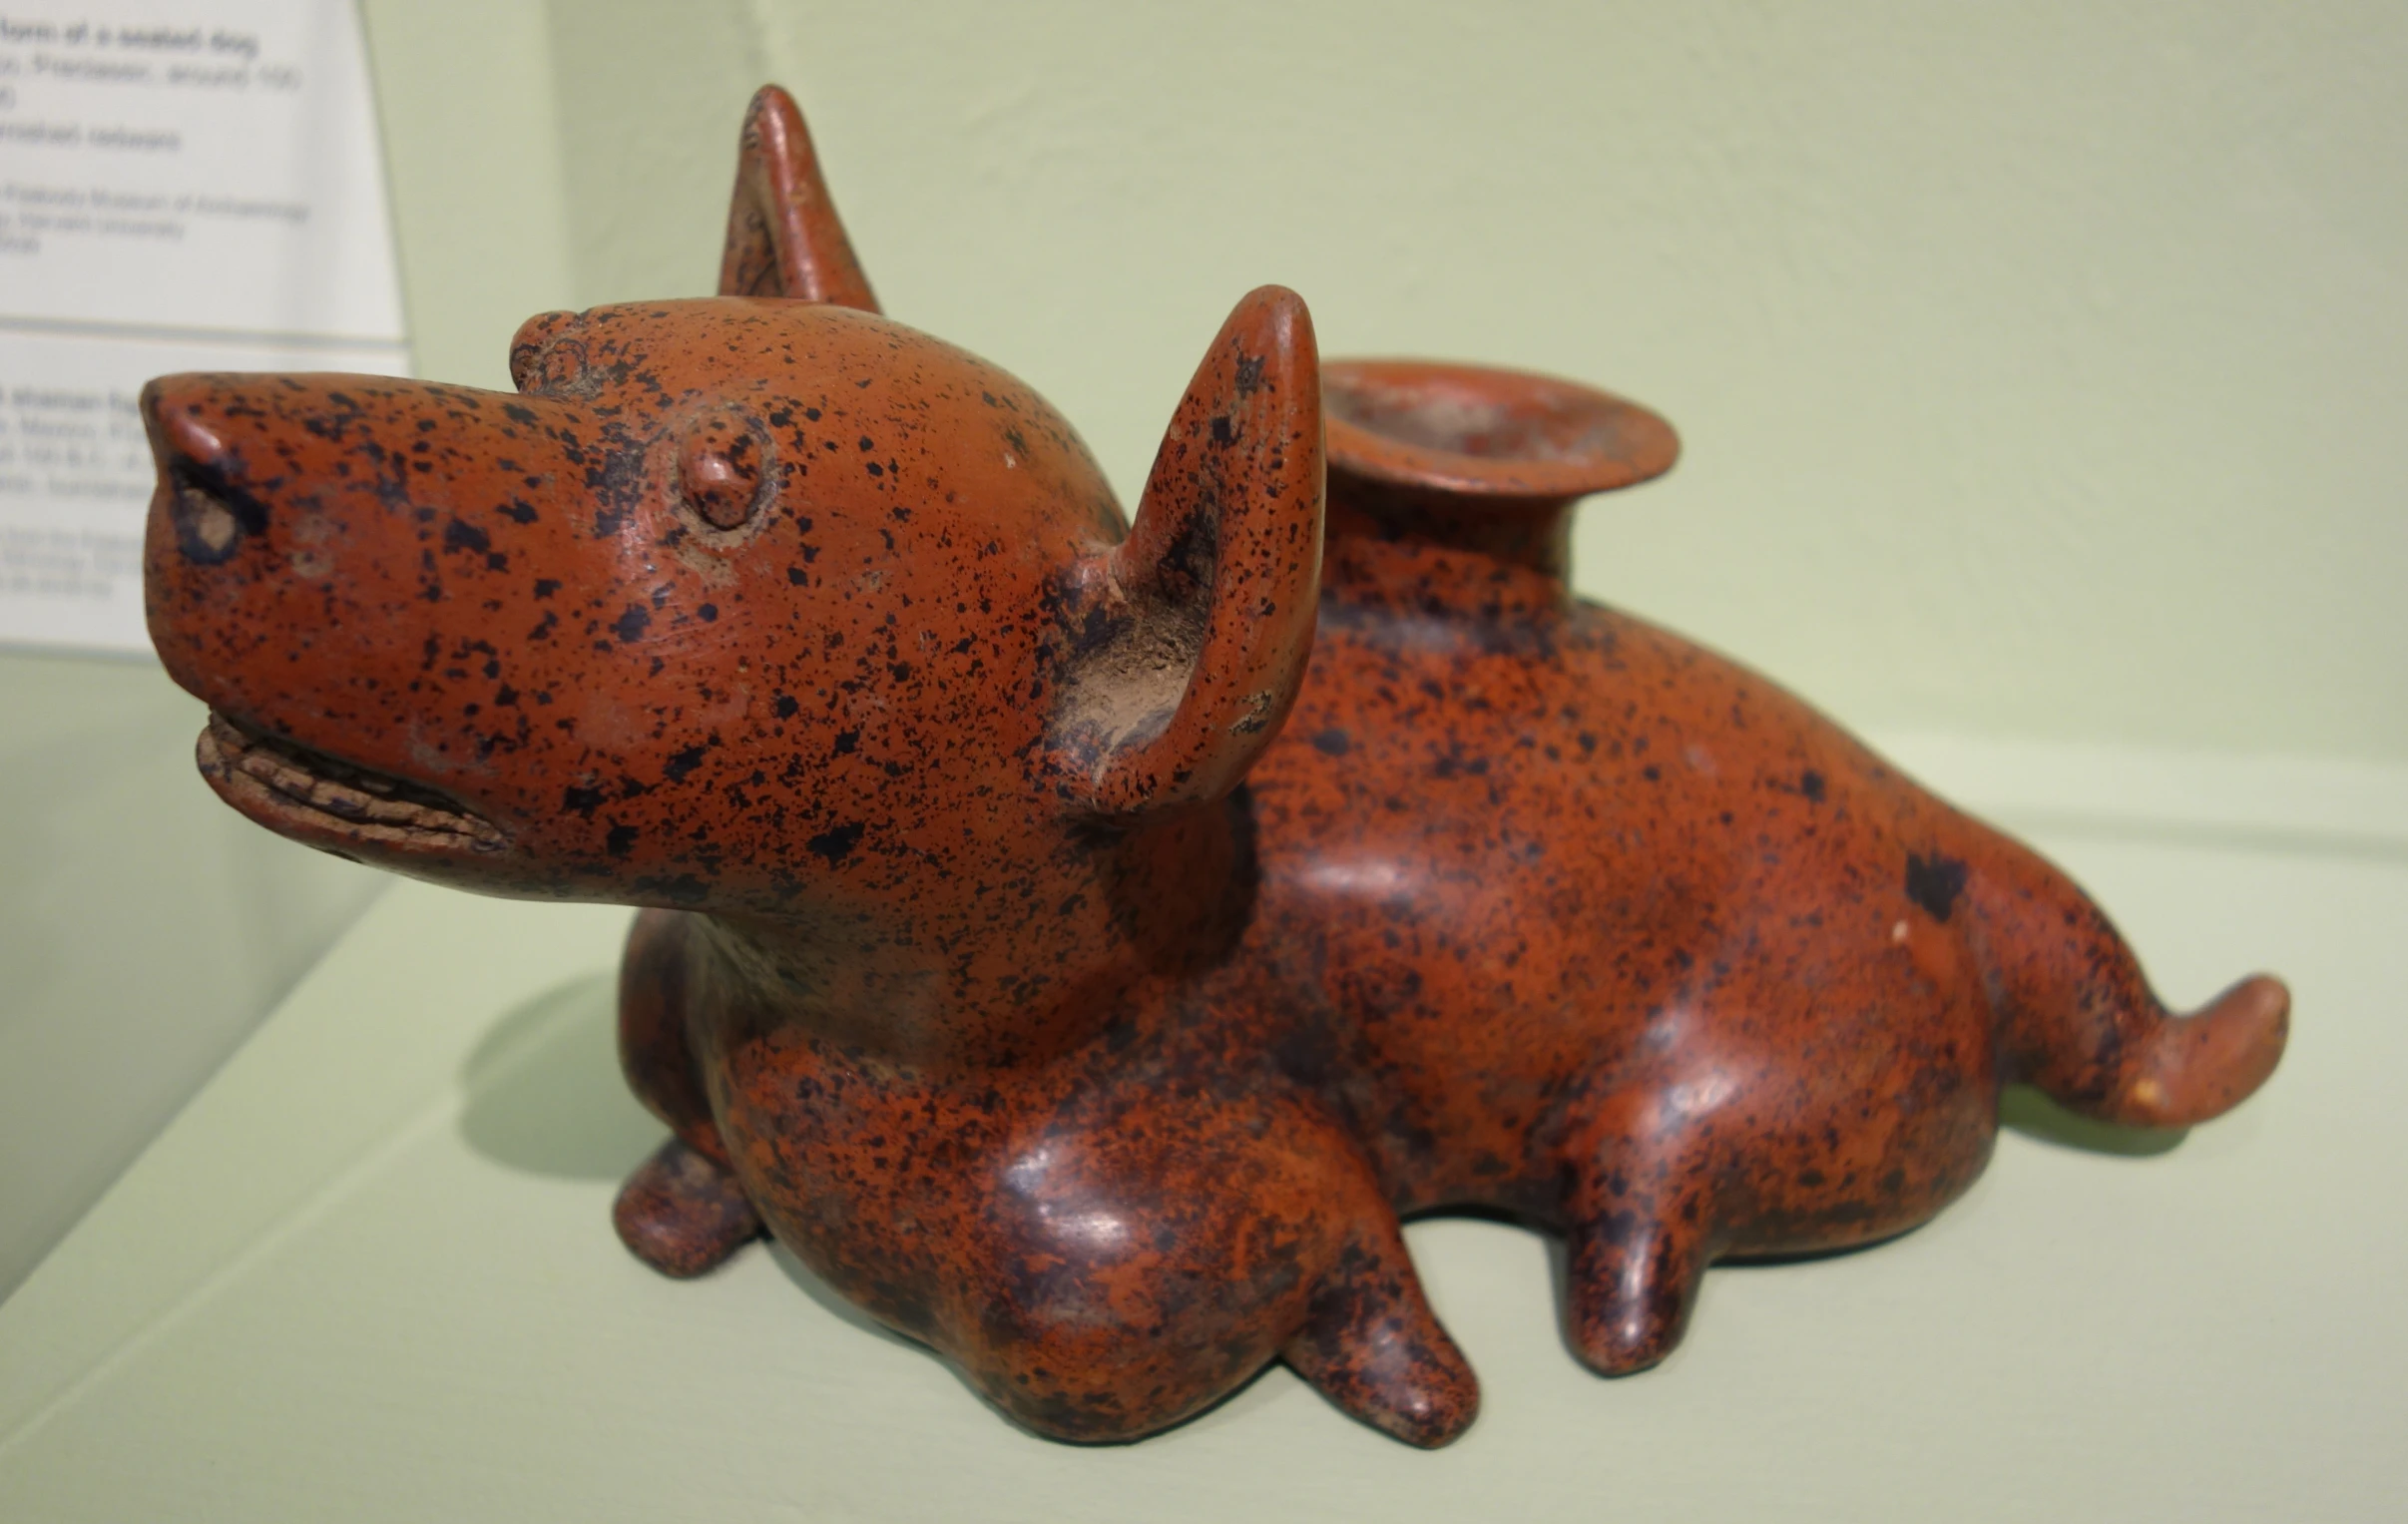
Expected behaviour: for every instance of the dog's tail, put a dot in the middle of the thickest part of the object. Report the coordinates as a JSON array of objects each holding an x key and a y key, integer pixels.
[{"x": 2077, "y": 1019}]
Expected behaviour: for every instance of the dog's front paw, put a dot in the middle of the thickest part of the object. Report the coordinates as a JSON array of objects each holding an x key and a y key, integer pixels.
[{"x": 682, "y": 1214}]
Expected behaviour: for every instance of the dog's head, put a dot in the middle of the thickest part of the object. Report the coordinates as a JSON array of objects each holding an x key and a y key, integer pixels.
[{"x": 741, "y": 603}]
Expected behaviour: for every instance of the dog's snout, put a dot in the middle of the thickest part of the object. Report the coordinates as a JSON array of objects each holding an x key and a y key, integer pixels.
[
  {"x": 545, "y": 357},
  {"x": 210, "y": 514},
  {"x": 208, "y": 530}
]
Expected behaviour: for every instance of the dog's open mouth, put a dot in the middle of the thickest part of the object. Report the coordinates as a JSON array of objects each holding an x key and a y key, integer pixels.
[{"x": 288, "y": 786}]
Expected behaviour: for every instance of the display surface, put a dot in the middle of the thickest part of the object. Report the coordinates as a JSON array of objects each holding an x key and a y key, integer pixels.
[
  {"x": 1005, "y": 956},
  {"x": 369, "y": 1274}
]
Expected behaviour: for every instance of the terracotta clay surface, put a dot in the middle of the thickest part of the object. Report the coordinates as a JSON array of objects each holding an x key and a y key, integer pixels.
[{"x": 1081, "y": 946}]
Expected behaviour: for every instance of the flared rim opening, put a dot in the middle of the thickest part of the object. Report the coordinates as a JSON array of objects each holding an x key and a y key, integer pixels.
[{"x": 1476, "y": 431}]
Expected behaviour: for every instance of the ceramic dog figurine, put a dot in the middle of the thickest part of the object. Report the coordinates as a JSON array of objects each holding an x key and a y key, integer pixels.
[{"x": 1069, "y": 954}]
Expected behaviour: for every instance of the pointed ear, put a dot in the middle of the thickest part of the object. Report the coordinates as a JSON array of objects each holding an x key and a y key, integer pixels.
[
  {"x": 783, "y": 236},
  {"x": 1198, "y": 625}
]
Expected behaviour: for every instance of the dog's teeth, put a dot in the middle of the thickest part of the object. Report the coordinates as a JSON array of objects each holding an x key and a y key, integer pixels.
[
  {"x": 416, "y": 816},
  {"x": 276, "y": 774},
  {"x": 334, "y": 799},
  {"x": 364, "y": 798}
]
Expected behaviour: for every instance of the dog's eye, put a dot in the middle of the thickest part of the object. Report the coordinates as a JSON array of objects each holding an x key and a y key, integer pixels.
[{"x": 720, "y": 469}]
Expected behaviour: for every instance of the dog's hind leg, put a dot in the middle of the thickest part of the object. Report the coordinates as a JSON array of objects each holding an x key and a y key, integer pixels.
[
  {"x": 681, "y": 1211},
  {"x": 1372, "y": 1347},
  {"x": 2077, "y": 1019},
  {"x": 1642, "y": 1218}
]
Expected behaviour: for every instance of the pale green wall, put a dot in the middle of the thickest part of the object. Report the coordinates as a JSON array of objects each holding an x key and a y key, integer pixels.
[
  {"x": 472, "y": 157},
  {"x": 2039, "y": 365}
]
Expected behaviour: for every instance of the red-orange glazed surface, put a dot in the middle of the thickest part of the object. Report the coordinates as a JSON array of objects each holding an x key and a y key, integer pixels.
[{"x": 1081, "y": 945}]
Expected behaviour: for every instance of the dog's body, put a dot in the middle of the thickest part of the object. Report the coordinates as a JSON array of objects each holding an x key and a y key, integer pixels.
[{"x": 1006, "y": 957}]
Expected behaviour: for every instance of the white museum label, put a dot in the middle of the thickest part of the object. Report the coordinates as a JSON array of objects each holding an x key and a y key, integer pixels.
[{"x": 189, "y": 186}]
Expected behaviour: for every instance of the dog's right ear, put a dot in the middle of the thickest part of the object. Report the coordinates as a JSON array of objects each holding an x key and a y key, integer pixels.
[
  {"x": 1189, "y": 639},
  {"x": 783, "y": 236}
]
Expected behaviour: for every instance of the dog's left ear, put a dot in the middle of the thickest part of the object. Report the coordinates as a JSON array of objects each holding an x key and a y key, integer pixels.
[
  {"x": 783, "y": 236},
  {"x": 1196, "y": 630}
]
